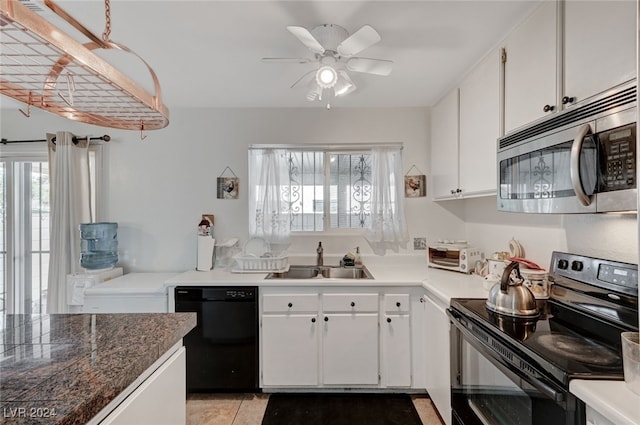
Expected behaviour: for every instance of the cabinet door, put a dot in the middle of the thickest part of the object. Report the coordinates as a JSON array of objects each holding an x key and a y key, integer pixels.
[
  {"x": 530, "y": 68},
  {"x": 290, "y": 350},
  {"x": 444, "y": 146},
  {"x": 438, "y": 361},
  {"x": 350, "y": 349},
  {"x": 479, "y": 122},
  {"x": 600, "y": 46},
  {"x": 396, "y": 350},
  {"x": 160, "y": 399}
]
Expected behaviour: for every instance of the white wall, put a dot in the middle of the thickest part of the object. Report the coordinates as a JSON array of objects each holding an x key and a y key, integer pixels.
[
  {"x": 611, "y": 236},
  {"x": 156, "y": 189}
]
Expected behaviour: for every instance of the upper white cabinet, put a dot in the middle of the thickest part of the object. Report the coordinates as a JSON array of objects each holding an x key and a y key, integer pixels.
[
  {"x": 464, "y": 129},
  {"x": 479, "y": 127},
  {"x": 444, "y": 146},
  {"x": 599, "y": 46},
  {"x": 566, "y": 52},
  {"x": 530, "y": 88}
]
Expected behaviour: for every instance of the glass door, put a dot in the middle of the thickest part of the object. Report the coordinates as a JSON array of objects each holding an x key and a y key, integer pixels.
[{"x": 485, "y": 391}]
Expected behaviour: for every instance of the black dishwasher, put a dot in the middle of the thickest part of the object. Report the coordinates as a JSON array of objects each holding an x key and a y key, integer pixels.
[{"x": 222, "y": 350}]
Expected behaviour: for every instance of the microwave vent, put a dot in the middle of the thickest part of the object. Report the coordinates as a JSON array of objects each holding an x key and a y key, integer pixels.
[{"x": 605, "y": 104}]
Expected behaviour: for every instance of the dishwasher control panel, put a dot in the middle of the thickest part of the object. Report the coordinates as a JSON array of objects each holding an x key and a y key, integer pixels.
[{"x": 240, "y": 293}]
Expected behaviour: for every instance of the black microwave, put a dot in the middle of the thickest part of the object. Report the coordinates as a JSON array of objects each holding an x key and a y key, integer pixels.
[{"x": 581, "y": 160}]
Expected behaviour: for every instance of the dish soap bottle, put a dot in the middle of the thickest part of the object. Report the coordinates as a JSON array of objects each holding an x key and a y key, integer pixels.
[{"x": 357, "y": 261}]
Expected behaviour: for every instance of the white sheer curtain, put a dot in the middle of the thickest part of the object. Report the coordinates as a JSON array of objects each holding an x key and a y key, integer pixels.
[
  {"x": 70, "y": 205},
  {"x": 388, "y": 225},
  {"x": 268, "y": 206}
]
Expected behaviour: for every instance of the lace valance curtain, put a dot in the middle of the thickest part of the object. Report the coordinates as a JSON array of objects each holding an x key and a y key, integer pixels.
[
  {"x": 270, "y": 200},
  {"x": 388, "y": 229},
  {"x": 268, "y": 205}
]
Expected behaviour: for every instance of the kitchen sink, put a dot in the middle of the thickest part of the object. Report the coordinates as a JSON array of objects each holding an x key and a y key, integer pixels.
[{"x": 323, "y": 272}]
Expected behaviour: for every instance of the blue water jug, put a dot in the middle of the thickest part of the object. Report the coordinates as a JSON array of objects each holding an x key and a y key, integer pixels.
[{"x": 98, "y": 245}]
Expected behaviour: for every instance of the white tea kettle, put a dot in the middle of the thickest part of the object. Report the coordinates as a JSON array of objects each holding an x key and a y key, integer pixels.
[{"x": 510, "y": 297}]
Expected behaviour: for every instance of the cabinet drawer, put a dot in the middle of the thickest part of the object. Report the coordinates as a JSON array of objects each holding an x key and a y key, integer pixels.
[
  {"x": 283, "y": 303},
  {"x": 396, "y": 303},
  {"x": 350, "y": 302}
]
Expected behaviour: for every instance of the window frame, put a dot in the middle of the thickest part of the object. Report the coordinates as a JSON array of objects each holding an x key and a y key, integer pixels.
[{"x": 328, "y": 149}]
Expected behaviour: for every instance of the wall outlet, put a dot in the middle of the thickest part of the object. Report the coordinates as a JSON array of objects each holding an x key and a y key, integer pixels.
[{"x": 419, "y": 244}]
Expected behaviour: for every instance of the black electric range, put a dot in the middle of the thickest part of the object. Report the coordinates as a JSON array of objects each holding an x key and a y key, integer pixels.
[{"x": 576, "y": 335}]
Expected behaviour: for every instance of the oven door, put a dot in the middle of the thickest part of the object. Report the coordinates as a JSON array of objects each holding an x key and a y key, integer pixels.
[{"x": 495, "y": 386}]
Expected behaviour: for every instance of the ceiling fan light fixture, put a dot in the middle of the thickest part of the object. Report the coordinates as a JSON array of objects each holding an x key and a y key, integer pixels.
[
  {"x": 326, "y": 77},
  {"x": 344, "y": 85}
]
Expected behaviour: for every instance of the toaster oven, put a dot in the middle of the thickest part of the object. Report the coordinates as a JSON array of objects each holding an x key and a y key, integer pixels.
[{"x": 454, "y": 256}]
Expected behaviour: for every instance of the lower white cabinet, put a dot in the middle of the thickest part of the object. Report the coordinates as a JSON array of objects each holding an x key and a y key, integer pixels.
[
  {"x": 396, "y": 350},
  {"x": 290, "y": 349},
  {"x": 337, "y": 338},
  {"x": 290, "y": 339},
  {"x": 158, "y": 400},
  {"x": 350, "y": 349},
  {"x": 437, "y": 357}
]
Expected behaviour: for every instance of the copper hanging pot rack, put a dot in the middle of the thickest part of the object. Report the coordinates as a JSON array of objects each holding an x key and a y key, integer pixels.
[{"x": 43, "y": 67}]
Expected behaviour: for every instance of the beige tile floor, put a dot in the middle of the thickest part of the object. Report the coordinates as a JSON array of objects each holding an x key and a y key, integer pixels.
[{"x": 248, "y": 409}]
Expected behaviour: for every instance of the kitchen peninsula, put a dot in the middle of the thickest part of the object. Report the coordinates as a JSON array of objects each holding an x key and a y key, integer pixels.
[{"x": 86, "y": 368}]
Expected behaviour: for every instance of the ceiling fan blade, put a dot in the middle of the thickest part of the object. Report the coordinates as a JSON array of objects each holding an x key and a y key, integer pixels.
[
  {"x": 358, "y": 41},
  {"x": 307, "y": 39},
  {"x": 344, "y": 85},
  {"x": 302, "y": 78},
  {"x": 370, "y": 66},
  {"x": 285, "y": 60}
]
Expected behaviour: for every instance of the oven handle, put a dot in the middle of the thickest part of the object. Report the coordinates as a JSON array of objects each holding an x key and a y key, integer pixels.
[
  {"x": 558, "y": 396},
  {"x": 574, "y": 168}
]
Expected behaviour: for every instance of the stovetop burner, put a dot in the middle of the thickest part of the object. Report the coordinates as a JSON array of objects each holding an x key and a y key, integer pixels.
[{"x": 580, "y": 349}]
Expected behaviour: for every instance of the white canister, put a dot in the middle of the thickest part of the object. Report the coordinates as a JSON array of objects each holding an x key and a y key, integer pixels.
[
  {"x": 537, "y": 281},
  {"x": 496, "y": 267}
]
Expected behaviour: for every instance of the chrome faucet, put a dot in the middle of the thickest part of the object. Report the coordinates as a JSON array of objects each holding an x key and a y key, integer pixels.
[{"x": 320, "y": 256}]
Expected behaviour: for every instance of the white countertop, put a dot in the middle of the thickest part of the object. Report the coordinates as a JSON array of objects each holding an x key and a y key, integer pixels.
[
  {"x": 612, "y": 399},
  {"x": 392, "y": 270},
  {"x": 442, "y": 285},
  {"x": 132, "y": 284}
]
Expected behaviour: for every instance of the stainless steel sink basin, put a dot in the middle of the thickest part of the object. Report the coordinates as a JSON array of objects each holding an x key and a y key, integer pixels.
[{"x": 324, "y": 272}]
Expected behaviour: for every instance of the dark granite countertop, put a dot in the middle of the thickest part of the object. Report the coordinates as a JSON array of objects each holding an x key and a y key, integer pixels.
[{"x": 64, "y": 368}]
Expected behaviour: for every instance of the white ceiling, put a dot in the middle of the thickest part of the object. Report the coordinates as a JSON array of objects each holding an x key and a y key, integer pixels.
[{"x": 207, "y": 53}]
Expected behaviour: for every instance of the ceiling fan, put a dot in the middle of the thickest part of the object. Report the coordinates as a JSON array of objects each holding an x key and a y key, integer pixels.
[{"x": 334, "y": 52}]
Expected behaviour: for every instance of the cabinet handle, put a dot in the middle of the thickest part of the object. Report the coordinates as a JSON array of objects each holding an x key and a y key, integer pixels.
[
  {"x": 353, "y": 304},
  {"x": 388, "y": 319},
  {"x": 548, "y": 108},
  {"x": 398, "y": 304},
  {"x": 313, "y": 320},
  {"x": 326, "y": 319},
  {"x": 422, "y": 299},
  {"x": 568, "y": 99},
  {"x": 290, "y": 305}
]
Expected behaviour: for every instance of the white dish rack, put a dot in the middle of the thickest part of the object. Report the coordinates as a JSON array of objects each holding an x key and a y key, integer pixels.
[{"x": 259, "y": 260}]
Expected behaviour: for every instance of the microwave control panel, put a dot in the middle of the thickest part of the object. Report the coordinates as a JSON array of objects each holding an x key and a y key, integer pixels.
[{"x": 618, "y": 154}]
